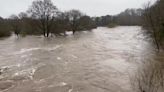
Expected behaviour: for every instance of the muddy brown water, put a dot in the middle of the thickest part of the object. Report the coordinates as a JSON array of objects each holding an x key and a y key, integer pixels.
[{"x": 97, "y": 61}]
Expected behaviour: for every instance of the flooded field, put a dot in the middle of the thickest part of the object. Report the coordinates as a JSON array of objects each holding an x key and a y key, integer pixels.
[{"x": 97, "y": 61}]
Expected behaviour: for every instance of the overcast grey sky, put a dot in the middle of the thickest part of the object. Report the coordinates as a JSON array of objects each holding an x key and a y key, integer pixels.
[{"x": 90, "y": 7}]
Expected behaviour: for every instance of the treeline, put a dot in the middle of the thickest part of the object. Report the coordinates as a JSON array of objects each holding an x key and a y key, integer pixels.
[
  {"x": 153, "y": 16},
  {"x": 128, "y": 17},
  {"x": 4, "y": 28},
  {"x": 43, "y": 18}
]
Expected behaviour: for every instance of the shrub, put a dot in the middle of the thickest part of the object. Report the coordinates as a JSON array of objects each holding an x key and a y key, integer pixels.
[
  {"x": 112, "y": 25},
  {"x": 4, "y": 30}
]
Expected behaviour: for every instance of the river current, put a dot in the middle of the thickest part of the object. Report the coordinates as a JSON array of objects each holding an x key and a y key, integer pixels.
[{"x": 98, "y": 61}]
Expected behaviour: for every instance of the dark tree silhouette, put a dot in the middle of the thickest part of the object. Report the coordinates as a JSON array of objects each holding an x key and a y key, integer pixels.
[
  {"x": 74, "y": 16},
  {"x": 44, "y": 11},
  {"x": 86, "y": 23},
  {"x": 4, "y": 29},
  {"x": 129, "y": 17},
  {"x": 153, "y": 16},
  {"x": 15, "y": 24},
  {"x": 61, "y": 24}
]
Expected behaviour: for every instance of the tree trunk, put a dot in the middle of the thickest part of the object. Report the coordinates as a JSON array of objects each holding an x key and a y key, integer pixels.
[
  {"x": 44, "y": 33},
  {"x": 74, "y": 32},
  {"x": 47, "y": 33},
  {"x": 65, "y": 33}
]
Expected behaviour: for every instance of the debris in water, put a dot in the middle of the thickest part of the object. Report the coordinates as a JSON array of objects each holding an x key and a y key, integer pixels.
[
  {"x": 3, "y": 69},
  {"x": 32, "y": 73}
]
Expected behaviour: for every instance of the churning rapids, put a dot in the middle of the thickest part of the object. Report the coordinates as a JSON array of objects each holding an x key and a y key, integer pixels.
[{"x": 97, "y": 61}]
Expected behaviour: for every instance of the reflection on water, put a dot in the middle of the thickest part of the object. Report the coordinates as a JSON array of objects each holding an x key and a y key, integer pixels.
[{"x": 97, "y": 61}]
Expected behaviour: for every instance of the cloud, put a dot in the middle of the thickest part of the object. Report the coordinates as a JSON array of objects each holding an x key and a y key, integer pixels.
[{"x": 90, "y": 7}]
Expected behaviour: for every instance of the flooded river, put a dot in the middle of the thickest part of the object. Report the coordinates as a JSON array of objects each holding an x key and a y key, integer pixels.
[{"x": 97, "y": 61}]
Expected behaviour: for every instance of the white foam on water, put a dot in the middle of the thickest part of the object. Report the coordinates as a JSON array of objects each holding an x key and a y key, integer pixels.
[
  {"x": 70, "y": 90},
  {"x": 63, "y": 84},
  {"x": 25, "y": 50},
  {"x": 58, "y": 58},
  {"x": 69, "y": 33},
  {"x": 74, "y": 56},
  {"x": 53, "y": 48},
  {"x": 29, "y": 73},
  {"x": 1, "y": 77},
  {"x": 24, "y": 56},
  {"x": 16, "y": 74},
  {"x": 18, "y": 65}
]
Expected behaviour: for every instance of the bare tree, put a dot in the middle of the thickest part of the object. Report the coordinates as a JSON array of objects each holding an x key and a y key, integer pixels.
[
  {"x": 148, "y": 16},
  {"x": 44, "y": 11},
  {"x": 61, "y": 24},
  {"x": 149, "y": 77},
  {"x": 153, "y": 16},
  {"x": 22, "y": 15},
  {"x": 15, "y": 24},
  {"x": 74, "y": 16},
  {"x": 86, "y": 23}
]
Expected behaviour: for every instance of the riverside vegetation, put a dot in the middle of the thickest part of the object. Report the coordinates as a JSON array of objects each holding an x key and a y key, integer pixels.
[{"x": 44, "y": 18}]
